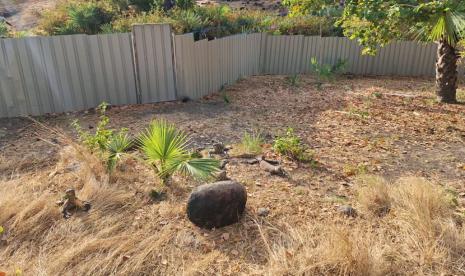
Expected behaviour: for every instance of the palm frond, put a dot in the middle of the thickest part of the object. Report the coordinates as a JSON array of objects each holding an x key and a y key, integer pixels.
[
  {"x": 448, "y": 26},
  {"x": 116, "y": 147},
  {"x": 201, "y": 168},
  {"x": 162, "y": 142},
  {"x": 165, "y": 148}
]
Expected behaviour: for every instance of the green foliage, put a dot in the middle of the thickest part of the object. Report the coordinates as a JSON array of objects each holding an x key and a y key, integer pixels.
[
  {"x": 315, "y": 7},
  {"x": 110, "y": 16},
  {"x": 4, "y": 32},
  {"x": 117, "y": 146},
  {"x": 293, "y": 80},
  {"x": 1, "y": 230},
  {"x": 378, "y": 22},
  {"x": 327, "y": 71},
  {"x": 76, "y": 17},
  {"x": 291, "y": 146},
  {"x": 224, "y": 95},
  {"x": 99, "y": 140},
  {"x": 109, "y": 144},
  {"x": 305, "y": 25},
  {"x": 166, "y": 149},
  {"x": 252, "y": 143}
]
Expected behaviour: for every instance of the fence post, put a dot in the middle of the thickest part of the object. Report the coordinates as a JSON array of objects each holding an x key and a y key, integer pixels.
[{"x": 136, "y": 67}]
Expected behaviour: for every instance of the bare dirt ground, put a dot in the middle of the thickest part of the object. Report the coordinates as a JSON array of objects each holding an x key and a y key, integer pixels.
[
  {"x": 389, "y": 127},
  {"x": 23, "y": 14}
]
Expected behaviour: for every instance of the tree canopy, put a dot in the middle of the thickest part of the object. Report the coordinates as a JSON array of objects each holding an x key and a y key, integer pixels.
[{"x": 377, "y": 22}]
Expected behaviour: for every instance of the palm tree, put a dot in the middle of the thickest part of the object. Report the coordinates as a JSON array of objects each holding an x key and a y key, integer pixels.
[
  {"x": 445, "y": 24},
  {"x": 166, "y": 149}
]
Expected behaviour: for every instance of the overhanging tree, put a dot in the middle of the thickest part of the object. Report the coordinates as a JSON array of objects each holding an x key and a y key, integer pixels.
[{"x": 377, "y": 22}]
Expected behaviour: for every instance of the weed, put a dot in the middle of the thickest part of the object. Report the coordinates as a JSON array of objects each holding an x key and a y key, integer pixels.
[
  {"x": 98, "y": 140},
  {"x": 351, "y": 170},
  {"x": 327, "y": 72},
  {"x": 252, "y": 143},
  {"x": 224, "y": 95},
  {"x": 377, "y": 95},
  {"x": 355, "y": 112},
  {"x": 291, "y": 146},
  {"x": 109, "y": 144},
  {"x": 293, "y": 80}
]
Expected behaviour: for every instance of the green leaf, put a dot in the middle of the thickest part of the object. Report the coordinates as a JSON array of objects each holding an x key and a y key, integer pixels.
[{"x": 165, "y": 148}]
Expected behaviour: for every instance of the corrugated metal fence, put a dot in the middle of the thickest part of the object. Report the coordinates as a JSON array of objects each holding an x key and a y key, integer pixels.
[
  {"x": 154, "y": 62},
  {"x": 203, "y": 67},
  {"x": 40, "y": 75},
  {"x": 293, "y": 54}
]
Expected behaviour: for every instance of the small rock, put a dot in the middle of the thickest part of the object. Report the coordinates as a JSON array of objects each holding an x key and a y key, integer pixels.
[
  {"x": 221, "y": 175},
  {"x": 234, "y": 252},
  {"x": 263, "y": 212},
  {"x": 225, "y": 236},
  {"x": 273, "y": 170},
  {"x": 347, "y": 210},
  {"x": 251, "y": 161},
  {"x": 218, "y": 148},
  {"x": 72, "y": 167},
  {"x": 72, "y": 204},
  {"x": 223, "y": 163},
  {"x": 217, "y": 204}
]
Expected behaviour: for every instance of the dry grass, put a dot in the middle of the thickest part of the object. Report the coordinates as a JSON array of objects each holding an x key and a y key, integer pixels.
[
  {"x": 420, "y": 237},
  {"x": 373, "y": 195}
]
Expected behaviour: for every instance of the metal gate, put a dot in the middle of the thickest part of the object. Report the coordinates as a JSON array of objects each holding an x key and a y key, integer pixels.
[{"x": 154, "y": 63}]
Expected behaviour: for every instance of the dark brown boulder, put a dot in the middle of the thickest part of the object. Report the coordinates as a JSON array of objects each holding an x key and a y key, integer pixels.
[{"x": 217, "y": 204}]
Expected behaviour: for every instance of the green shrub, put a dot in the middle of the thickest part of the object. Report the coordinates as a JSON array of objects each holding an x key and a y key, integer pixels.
[
  {"x": 110, "y": 145},
  {"x": 166, "y": 150},
  {"x": 291, "y": 146},
  {"x": 327, "y": 71},
  {"x": 304, "y": 25},
  {"x": 4, "y": 32},
  {"x": 124, "y": 24},
  {"x": 76, "y": 17}
]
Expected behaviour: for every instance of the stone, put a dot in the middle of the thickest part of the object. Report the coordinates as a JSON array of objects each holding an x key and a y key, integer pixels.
[
  {"x": 272, "y": 169},
  {"x": 250, "y": 161},
  {"x": 221, "y": 175},
  {"x": 347, "y": 210},
  {"x": 216, "y": 205},
  {"x": 71, "y": 204},
  {"x": 218, "y": 148},
  {"x": 223, "y": 163},
  {"x": 263, "y": 212}
]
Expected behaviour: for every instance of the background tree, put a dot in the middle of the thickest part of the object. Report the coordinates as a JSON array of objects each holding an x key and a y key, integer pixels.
[{"x": 377, "y": 22}]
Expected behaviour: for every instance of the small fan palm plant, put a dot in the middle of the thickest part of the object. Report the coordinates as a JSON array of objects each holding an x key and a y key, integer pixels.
[
  {"x": 166, "y": 150},
  {"x": 116, "y": 148}
]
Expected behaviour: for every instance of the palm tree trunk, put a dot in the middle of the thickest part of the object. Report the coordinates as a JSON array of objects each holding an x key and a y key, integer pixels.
[{"x": 446, "y": 73}]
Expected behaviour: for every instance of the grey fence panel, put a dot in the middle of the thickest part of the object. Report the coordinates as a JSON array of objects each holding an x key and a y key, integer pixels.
[
  {"x": 42, "y": 75},
  {"x": 203, "y": 67},
  {"x": 154, "y": 61},
  {"x": 283, "y": 54}
]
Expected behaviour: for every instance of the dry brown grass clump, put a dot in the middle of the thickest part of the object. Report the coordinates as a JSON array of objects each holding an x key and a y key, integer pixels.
[
  {"x": 421, "y": 236},
  {"x": 374, "y": 195}
]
